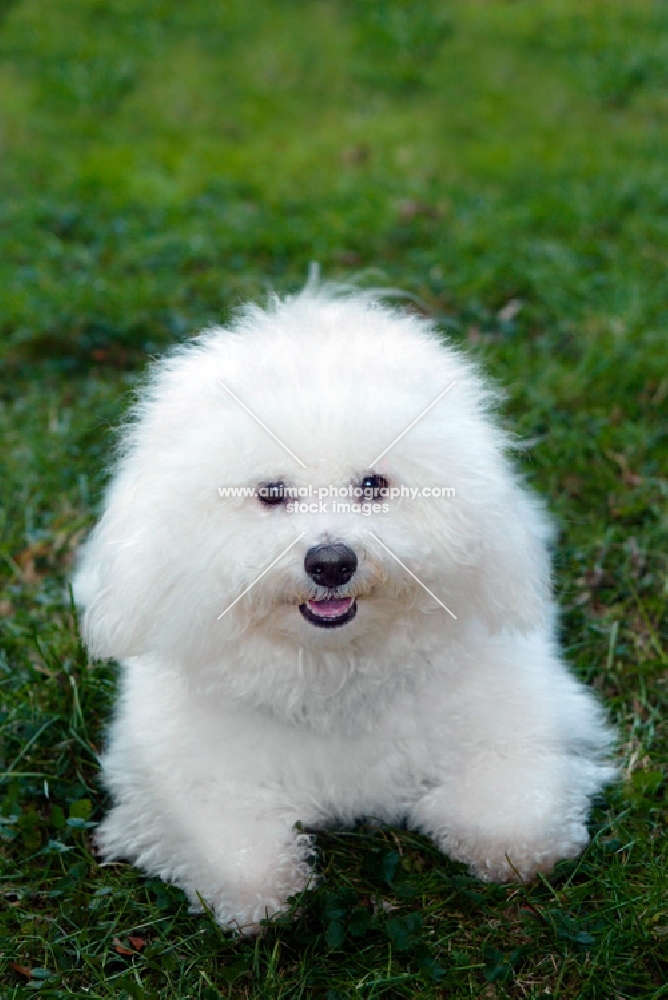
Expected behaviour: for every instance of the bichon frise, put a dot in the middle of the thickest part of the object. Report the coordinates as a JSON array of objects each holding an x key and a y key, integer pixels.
[{"x": 330, "y": 593}]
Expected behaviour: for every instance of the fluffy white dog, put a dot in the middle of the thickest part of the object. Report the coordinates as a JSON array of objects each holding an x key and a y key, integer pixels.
[{"x": 314, "y": 658}]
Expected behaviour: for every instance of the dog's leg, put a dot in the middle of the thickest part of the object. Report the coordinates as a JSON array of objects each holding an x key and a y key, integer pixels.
[
  {"x": 244, "y": 862},
  {"x": 509, "y": 817},
  {"x": 200, "y": 800},
  {"x": 248, "y": 873},
  {"x": 520, "y": 750}
]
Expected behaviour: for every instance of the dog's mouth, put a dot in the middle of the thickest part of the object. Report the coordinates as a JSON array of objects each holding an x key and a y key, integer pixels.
[{"x": 332, "y": 612}]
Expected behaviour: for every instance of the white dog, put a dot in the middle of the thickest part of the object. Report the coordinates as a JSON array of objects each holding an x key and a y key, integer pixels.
[{"x": 368, "y": 649}]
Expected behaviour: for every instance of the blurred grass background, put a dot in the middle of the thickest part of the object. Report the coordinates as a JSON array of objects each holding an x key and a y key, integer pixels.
[{"x": 506, "y": 162}]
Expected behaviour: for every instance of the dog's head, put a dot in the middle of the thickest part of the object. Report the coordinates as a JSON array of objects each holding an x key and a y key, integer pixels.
[{"x": 325, "y": 474}]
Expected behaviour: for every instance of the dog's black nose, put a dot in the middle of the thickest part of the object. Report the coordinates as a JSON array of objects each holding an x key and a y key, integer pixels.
[{"x": 330, "y": 565}]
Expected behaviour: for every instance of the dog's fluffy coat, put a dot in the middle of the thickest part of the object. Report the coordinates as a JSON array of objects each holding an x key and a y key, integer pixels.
[{"x": 229, "y": 731}]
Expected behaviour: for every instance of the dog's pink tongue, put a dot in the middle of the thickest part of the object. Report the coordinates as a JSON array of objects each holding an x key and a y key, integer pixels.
[{"x": 330, "y": 609}]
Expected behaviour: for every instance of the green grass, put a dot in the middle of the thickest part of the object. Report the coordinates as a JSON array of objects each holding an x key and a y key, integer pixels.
[{"x": 507, "y": 163}]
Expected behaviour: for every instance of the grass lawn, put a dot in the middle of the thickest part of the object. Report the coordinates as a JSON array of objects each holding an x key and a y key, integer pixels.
[{"x": 507, "y": 164}]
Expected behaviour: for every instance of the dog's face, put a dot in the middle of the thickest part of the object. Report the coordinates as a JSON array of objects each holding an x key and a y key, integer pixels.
[{"x": 322, "y": 477}]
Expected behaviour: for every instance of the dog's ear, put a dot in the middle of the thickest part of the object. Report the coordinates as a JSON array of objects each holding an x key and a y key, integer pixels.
[
  {"x": 513, "y": 572},
  {"x": 116, "y": 583}
]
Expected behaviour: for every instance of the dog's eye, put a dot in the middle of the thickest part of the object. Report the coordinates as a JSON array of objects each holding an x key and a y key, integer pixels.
[
  {"x": 374, "y": 486},
  {"x": 271, "y": 494}
]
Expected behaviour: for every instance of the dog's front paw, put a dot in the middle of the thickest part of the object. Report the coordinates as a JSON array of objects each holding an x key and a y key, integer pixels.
[
  {"x": 516, "y": 856},
  {"x": 510, "y": 820},
  {"x": 261, "y": 891}
]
